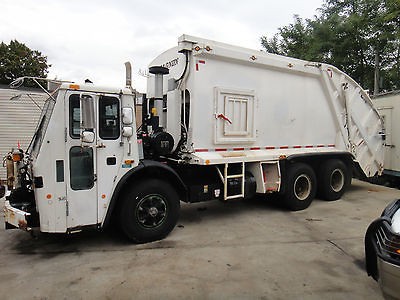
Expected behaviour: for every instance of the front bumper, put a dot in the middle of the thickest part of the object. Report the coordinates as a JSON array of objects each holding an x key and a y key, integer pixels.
[
  {"x": 389, "y": 279},
  {"x": 15, "y": 217},
  {"x": 382, "y": 252}
]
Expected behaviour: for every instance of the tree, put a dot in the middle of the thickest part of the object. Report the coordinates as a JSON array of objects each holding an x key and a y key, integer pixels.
[
  {"x": 361, "y": 37},
  {"x": 17, "y": 60}
]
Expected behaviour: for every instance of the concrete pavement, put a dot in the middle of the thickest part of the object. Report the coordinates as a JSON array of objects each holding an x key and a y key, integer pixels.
[{"x": 236, "y": 250}]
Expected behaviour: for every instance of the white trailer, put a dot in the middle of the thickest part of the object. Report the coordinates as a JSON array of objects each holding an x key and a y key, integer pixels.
[
  {"x": 219, "y": 122},
  {"x": 388, "y": 106}
]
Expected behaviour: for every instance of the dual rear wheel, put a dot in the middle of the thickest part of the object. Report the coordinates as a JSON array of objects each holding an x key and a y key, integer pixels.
[
  {"x": 302, "y": 184},
  {"x": 333, "y": 179}
]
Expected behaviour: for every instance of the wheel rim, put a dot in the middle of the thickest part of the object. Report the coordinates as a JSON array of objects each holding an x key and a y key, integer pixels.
[
  {"x": 151, "y": 211},
  {"x": 302, "y": 187},
  {"x": 337, "y": 180}
]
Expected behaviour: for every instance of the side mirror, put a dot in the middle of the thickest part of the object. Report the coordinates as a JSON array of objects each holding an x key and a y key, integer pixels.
[
  {"x": 87, "y": 137},
  {"x": 87, "y": 112},
  {"x": 127, "y": 115}
]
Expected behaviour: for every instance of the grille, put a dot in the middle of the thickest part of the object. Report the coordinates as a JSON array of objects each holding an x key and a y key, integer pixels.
[{"x": 387, "y": 241}]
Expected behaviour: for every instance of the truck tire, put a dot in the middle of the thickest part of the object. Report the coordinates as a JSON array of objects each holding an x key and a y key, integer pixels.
[
  {"x": 334, "y": 177},
  {"x": 301, "y": 186},
  {"x": 149, "y": 211}
]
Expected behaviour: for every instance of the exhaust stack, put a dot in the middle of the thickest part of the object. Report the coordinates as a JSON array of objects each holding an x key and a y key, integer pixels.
[{"x": 128, "y": 75}]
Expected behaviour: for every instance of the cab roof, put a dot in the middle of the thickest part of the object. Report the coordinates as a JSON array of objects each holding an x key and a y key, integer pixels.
[{"x": 95, "y": 88}]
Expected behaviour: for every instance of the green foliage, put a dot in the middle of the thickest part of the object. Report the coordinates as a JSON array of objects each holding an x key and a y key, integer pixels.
[
  {"x": 17, "y": 60},
  {"x": 360, "y": 37}
]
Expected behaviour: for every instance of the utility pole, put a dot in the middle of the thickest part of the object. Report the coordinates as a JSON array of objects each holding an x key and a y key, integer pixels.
[{"x": 376, "y": 73}]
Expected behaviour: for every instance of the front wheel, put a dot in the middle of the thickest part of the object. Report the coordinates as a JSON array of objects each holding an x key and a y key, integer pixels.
[
  {"x": 300, "y": 186},
  {"x": 149, "y": 211}
]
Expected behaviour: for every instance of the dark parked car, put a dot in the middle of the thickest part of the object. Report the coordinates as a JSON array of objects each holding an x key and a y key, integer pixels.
[
  {"x": 2, "y": 190},
  {"x": 382, "y": 250}
]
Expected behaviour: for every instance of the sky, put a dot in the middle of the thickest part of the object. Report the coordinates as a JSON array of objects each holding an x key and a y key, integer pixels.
[{"x": 92, "y": 39}]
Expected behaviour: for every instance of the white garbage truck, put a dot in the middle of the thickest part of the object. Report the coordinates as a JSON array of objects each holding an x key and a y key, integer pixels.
[{"x": 219, "y": 122}]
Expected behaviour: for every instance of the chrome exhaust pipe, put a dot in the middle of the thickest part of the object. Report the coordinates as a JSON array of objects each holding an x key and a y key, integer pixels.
[{"x": 128, "y": 75}]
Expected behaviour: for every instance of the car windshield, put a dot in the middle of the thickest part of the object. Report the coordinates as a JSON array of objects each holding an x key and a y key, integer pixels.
[{"x": 41, "y": 127}]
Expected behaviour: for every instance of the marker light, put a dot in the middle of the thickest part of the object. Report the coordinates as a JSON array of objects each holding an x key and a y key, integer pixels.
[
  {"x": 74, "y": 86},
  {"x": 16, "y": 157}
]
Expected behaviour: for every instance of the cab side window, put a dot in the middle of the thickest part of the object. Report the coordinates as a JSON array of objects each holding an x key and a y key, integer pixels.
[
  {"x": 74, "y": 116},
  {"x": 109, "y": 124}
]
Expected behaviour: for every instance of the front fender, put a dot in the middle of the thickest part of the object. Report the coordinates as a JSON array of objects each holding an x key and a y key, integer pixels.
[{"x": 146, "y": 168}]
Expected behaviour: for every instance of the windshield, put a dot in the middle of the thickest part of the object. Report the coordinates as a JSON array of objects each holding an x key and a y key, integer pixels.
[{"x": 37, "y": 139}]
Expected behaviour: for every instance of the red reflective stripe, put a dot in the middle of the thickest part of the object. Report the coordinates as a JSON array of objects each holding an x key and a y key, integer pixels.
[
  {"x": 255, "y": 148},
  {"x": 309, "y": 146},
  {"x": 221, "y": 149},
  {"x": 197, "y": 67},
  {"x": 284, "y": 147},
  {"x": 201, "y": 150},
  {"x": 320, "y": 146},
  {"x": 269, "y": 148},
  {"x": 202, "y": 61},
  {"x": 296, "y": 147},
  {"x": 331, "y": 145},
  {"x": 238, "y": 149}
]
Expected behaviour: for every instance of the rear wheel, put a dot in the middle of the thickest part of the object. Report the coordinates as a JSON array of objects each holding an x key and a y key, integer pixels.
[
  {"x": 334, "y": 178},
  {"x": 149, "y": 211},
  {"x": 301, "y": 186}
]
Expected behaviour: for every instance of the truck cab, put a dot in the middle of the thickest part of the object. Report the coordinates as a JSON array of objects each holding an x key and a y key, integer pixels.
[{"x": 84, "y": 143}]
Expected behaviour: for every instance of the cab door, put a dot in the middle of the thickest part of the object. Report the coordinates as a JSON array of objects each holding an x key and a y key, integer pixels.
[
  {"x": 108, "y": 147},
  {"x": 81, "y": 165}
]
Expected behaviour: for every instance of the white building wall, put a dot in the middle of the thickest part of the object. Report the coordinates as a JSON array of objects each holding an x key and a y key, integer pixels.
[{"x": 18, "y": 119}]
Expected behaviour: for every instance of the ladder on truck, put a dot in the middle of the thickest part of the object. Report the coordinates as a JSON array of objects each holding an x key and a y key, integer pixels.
[{"x": 226, "y": 176}]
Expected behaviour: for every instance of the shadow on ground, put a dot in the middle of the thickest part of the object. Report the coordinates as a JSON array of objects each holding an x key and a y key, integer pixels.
[{"x": 49, "y": 245}]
